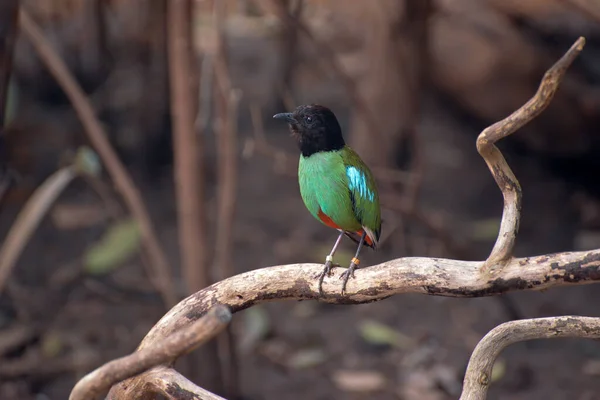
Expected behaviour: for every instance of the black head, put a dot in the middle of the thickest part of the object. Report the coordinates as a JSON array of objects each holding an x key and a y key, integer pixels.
[{"x": 315, "y": 129}]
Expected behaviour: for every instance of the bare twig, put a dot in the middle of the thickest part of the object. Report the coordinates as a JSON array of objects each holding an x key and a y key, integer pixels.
[
  {"x": 29, "y": 218},
  {"x": 160, "y": 276},
  {"x": 506, "y": 180},
  {"x": 479, "y": 371},
  {"x": 188, "y": 174},
  {"x": 226, "y": 108},
  {"x": 164, "y": 352},
  {"x": 227, "y": 113}
]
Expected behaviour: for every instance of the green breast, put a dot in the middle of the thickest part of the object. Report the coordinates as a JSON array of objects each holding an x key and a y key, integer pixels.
[{"x": 339, "y": 185}]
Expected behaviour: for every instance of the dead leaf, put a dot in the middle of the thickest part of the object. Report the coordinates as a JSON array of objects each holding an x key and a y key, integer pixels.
[{"x": 359, "y": 381}]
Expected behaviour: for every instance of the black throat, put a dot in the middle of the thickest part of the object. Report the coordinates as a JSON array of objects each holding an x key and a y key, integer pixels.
[
  {"x": 316, "y": 129},
  {"x": 316, "y": 141}
]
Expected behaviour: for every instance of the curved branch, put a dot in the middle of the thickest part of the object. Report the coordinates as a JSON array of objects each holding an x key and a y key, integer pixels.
[
  {"x": 432, "y": 276},
  {"x": 163, "y": 351},
  {"x": 479, "y": 371},
  {"x": 30, "y": 217},
  {"x": 506, "y": 180}
]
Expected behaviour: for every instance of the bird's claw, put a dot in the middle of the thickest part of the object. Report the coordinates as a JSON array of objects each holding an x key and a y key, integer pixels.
[
  {"x": 326, "y": 272},
  {"x": 347, "y": 274}
]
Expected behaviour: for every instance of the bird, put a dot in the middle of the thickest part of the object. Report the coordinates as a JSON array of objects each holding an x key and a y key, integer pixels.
[{"x": 336, "y": 185}]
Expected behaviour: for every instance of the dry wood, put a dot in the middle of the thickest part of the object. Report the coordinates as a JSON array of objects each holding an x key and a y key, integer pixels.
[
  {"x": 499, "y": 274},
  {"x": 99, "y": 381}
]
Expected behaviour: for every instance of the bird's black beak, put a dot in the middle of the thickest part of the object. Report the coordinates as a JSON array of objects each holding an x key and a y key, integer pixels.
[{"x": 287, "y": 117}]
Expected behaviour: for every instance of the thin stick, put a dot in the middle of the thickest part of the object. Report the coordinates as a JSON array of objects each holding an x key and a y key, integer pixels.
[
  {"x": 479, "y": 371},
  {"x": 29, "y": 217},
  {"x": 226, "y": 108},
  {"x": 166, "y": 351},
  {"x": 160, "y": 275},
  {"x": 506, "y": 180},
  {"x": 188, "y": 172}
]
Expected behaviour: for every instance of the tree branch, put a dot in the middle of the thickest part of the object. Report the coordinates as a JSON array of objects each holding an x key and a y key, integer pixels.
[
  {"x": 506, "y": 180},
  {"x": 433, "y": 276},
  {"x": 479, "y": 371},
  {"x": 163, "y": 352}
]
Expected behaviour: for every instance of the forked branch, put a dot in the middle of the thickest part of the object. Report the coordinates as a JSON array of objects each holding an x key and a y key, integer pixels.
[
  {"x": 433, "y": 276},
  {"x": 165, "y": 352}
]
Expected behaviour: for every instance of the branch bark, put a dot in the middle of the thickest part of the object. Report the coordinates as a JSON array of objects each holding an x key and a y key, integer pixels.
[
  {"x": 479, "y": 371},
  {"x": 160, "y": 275}
]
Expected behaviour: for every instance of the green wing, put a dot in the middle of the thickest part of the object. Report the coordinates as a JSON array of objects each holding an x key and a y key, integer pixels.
[{"x": 339, "y": 185}]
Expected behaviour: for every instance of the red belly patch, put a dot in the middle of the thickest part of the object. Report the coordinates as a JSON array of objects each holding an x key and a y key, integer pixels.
[
  {"x": 326, "y": 220},
  {"x": 329, "y": 222}
]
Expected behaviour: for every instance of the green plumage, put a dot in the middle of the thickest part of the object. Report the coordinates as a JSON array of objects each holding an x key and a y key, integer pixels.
[{"x": 340, "y": 185}]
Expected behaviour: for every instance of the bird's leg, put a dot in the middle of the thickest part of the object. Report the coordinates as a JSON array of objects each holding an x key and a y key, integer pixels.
[
  {"x": 354, "y": 264},
  {"x": 329, "y": 263}
]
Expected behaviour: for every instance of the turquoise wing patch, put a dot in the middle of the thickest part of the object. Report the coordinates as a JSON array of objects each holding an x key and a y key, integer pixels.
[{"x": 357, "y": 182}]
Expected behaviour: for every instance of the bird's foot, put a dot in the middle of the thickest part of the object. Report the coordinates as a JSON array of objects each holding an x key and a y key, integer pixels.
[
  {"x": 349, "y": 273},
  {"x": 326, "y": 272}
]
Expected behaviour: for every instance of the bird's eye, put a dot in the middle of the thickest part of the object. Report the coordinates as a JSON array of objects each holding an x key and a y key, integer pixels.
[{"x": 308, "y": 119}]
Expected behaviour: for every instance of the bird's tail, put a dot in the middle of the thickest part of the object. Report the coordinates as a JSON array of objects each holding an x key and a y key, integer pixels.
[{"x": 355, "y": 236}]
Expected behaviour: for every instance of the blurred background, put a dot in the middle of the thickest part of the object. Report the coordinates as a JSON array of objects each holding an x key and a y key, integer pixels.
[{"x": 184, "y": 92}]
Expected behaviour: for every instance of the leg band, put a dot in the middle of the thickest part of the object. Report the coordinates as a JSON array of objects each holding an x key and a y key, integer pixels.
[
  {"x": 329, "y": 258},
  {"x": 355, "y": 260}
]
